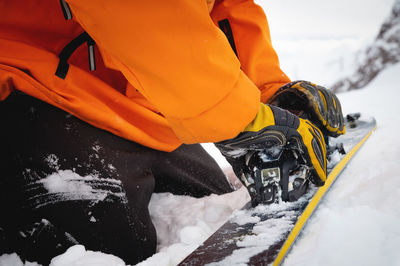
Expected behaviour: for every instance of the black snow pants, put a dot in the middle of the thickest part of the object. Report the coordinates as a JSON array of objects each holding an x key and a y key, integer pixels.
[{"x": 64, "y": 182}]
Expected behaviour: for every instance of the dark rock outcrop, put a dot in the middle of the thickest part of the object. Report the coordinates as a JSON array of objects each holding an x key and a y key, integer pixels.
[{"x": 383, "y": 52}]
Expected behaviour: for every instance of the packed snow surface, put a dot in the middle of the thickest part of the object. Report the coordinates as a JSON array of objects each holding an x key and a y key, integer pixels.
[
  {"x": 358, "y": 221},
  {"x": 265, "y": 233}
]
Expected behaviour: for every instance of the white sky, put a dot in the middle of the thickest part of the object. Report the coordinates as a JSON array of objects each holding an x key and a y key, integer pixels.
[
  {"x": 317, "y": 40},
  {"x": 325, "y": 18}
]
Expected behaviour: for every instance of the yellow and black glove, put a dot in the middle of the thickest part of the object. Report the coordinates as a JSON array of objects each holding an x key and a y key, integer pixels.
[
  {"x": 313, "y": 102},
  {"x": 273, "y": 129}
]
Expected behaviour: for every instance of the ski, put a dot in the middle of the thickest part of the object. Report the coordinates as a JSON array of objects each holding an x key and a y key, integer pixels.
[{"x": 264, "y": 235}]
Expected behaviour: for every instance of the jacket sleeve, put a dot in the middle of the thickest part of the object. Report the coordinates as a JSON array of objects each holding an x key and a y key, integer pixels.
[
  {"x": 172, "y": 52},
  {"x": 250, "y": 33}
]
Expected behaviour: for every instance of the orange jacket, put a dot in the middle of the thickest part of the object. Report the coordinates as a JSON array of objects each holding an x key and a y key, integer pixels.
[{"x": 165, "y": 73}]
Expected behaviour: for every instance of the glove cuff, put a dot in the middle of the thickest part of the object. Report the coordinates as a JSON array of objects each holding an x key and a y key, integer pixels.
[{"x": 264, "y": 118}]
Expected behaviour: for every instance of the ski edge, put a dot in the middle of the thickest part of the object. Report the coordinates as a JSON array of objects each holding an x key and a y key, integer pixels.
[{"x": 316, "y": 199}]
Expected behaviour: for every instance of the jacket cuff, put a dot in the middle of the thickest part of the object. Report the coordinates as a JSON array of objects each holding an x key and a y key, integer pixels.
[
  {"x": 223, "y": 121},
  {"x": 267, "y": 91}
]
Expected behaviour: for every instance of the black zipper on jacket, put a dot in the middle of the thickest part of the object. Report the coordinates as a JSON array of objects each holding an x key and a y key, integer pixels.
[
  {"x": 66, "y": 10},
  {"x": 69, "y": 49},
  {"x": 225, "y": 26}
]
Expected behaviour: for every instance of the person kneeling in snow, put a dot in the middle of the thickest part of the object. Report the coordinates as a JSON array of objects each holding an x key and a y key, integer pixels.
[{"x": 105, "y": 102}]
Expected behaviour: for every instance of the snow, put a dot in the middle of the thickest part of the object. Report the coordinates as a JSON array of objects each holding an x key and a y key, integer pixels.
[
  {"x": 265, "y": 234},
  {"x": 78, "y": 256},
  {"x": 14, "y": 260},
  {"x": 358, "y": 221},
  {"x": 66, "y": 181},
  {"x": 182, "y": 227},
  {"x": 68, "y": 185},
  {"x": 334, "y": 159}
]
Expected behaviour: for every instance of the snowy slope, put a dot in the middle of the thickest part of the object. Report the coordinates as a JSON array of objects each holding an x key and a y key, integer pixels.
[
  {"x": 384, "y": 51},
  {"x": 358, "y": 222}
]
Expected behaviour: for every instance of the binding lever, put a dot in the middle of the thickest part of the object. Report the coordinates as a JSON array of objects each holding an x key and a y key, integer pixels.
[
  {"x": 352, "y": 119},
  {"x": 281, "y": 177}
]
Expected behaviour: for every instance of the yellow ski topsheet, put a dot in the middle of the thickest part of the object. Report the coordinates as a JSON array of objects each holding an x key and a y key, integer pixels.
[{"x": 316, "y": 199}]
